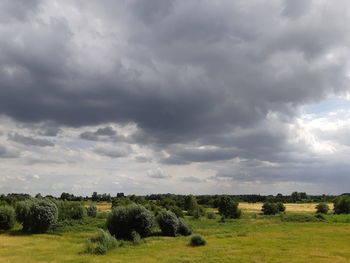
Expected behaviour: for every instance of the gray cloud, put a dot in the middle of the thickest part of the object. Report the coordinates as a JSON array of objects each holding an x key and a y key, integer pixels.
[
  {"x": 6, "y": 153},
  {"x": 26, "y": 140},
  {"x": 203, "y": 82},
  {"x": 157, "y": 174}
]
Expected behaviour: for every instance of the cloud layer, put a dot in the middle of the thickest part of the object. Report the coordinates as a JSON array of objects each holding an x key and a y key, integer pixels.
[{"x": 134, "y": 92}]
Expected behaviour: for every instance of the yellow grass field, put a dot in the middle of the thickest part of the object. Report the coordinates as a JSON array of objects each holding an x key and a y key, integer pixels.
[{"x": 295, "y": 208}]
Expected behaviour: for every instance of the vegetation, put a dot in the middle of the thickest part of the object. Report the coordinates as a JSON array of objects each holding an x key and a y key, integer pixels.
[
  {"x": 101, "y": 243},
  {"x": 322, "y": 208},
  {"x": 228, "y": 208},
  {"x": 92, "y": 210},
  {"x": 37, "y": 215},
  {"x": 342, "y": 205},
  {"x": 197, "y": 240},
  {"x": 7, "y": 217},
  {"x": 123, "y": 220},
  {"x": 171, "y": 225},
  {"x": 272, "y": 208}
]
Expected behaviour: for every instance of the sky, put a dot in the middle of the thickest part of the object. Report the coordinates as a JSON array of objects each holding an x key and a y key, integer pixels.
[{"x": 170, "y": 96}]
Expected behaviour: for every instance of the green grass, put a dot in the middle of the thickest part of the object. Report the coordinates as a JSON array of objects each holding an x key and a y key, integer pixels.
[{"x": 259, "y": 239}]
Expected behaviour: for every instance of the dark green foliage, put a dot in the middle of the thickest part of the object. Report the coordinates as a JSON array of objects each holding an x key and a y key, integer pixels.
[
  {"x": 228, "y": 208},
  {"x": 101, "y": 243},
  {"x": 342, "y": 205},
  {"x": 136, "y": 238},
  {"x": 37, "y": 215},
  {"x": 168, "y": 223},
  {"x": 92, "y": 211},
  {"x": 322, "y": 208},
  {"x": 280, "y": 206},
  {"x": 271, "y": 208},
  {"x": 70, "y": 210},
  {"x": 125, "y": 219},
  {"x": 171, "y": 225},
  {"x": 7, "y": 217},
  {"x": 183, "y": 228},
  {"x": 123, "y": 201},
  {"x": 177, "y": 211},
  {"x": 300, "y": 218},
  {"x": 197, "y": 240}
]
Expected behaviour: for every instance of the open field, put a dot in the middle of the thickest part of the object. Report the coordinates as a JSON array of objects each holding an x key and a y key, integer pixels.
[{"x": 250, "y": 239}]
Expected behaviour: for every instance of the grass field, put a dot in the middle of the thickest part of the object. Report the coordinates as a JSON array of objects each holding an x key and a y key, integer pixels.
[{"x": 250, "y": 239}]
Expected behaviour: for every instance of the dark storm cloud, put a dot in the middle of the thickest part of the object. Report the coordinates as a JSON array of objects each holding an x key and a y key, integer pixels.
[
  {"x": 190, "y": 72},
  {"x": 26, "y": 140}
]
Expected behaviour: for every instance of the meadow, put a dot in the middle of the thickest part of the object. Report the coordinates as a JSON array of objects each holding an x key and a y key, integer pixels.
[{"x": 253, "y": 238}]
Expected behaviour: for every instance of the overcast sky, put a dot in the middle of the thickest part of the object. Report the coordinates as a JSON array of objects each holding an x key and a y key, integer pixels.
[{"x": 157, "y": 96}]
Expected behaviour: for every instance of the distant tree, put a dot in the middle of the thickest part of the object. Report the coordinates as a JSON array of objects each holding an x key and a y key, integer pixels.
[
  {"x": 95, "y": 197},
  {"x": 280, "y": 207},
  {"x": 228, "y": 208}
]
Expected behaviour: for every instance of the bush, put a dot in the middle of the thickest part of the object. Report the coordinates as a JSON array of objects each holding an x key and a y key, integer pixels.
[
  {"x": 197, "y": 240},
  {"x": 101, "y": 243},
  {"x": 228, "y": 208},
  {"x": 92, "y": 211},
  {"x": 211, "y": 215},
  {"x": 7, "y": 217},
  {"x": 183, "y": 228},
  {"x": 168, "y": 223},
  {"x": 69, "y": 210},
  {"x": 342, "y": 205},
  {"x": 280, "y": 206},
  {"x": 177, "y": 211},
  {"x": 37, "y": 215},
  {"x": 125, "y": 219},
  {"x": 136, "y": 238},
  {"x": 270, "y": 208},
  {"x": 322, "y": 208}
]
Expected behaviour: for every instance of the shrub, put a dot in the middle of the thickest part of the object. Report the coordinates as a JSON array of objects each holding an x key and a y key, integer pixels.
[
  {"x": 92, "y": 211},
  {"x": 168, "y": 223},
  {"x": 136, "y": 238},
  {"x": 101, "y": 243},
  {"x": 36, "y": 215},
  {"x": 69, "y": 210},
  {"x": 322, "y": 208},
  {"x": 125, "y": 219},
  {"x": 7, "y": 217},
  {"x": 280, "y": 206},
  {"x": 197, "y": 240},
  {"x": 177, "y": 211},
  {"x": 342, "y": 205},
  {"x": 228, "y": 208},
  {"x": 270, "y": 208},
  {"x": 183, "y": 228}
]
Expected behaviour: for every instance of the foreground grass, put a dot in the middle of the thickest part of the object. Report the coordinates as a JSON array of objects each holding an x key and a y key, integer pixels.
[{"x": 261, "y": 239}]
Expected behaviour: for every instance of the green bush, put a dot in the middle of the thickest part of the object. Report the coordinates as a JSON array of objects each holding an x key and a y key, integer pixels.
[
  {"x": 183, "y": 228},
  {"x": 197, "y": 240},
  {"x": 92, "y": 210},
  {"x": 270, "y": 208},
  {"x": 168, "y": 223},
  {"x": 125, "y": 219},
  {"x": 7, "y": 217},
  {"x": 228, "y": 208},
  {"x": 322, "y": 208},
  {"x": 342, "y": 205},
  {"x": 136, "y": 238},
  {"x": 280, "y": 206},
  {"x": 36, "y": 215},
  {"x": 101, "y": 243},
  {"x": 177, "y": 211},
  {"x": 70, "y": 210}
]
